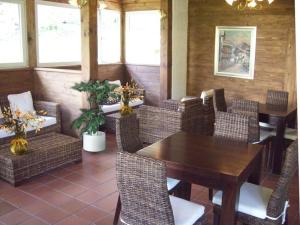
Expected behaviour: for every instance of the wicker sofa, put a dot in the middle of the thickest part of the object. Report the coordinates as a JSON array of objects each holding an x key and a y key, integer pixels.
[{"x": 52, "y": 119}]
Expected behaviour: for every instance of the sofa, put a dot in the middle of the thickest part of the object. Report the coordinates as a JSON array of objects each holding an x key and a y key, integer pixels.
[
  {"x": 52, "y": 118},
  {"x": 113, "y": 107}
]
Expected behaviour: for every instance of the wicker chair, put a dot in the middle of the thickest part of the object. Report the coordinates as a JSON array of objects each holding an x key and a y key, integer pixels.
[
  {"x": 277, "y": 98},
  {"x": 259, "y": 205},
  {"x": 127, "y": 135},
  {"x": 145, "y": 200},
  {"x": 219, "y": 100},
  {"x": 232, "y": 126}
]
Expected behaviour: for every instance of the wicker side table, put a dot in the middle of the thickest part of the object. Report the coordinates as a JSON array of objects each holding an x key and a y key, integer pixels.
[
  {"x": 45, "y": 152},
  {"x": 110, "y": 121}
]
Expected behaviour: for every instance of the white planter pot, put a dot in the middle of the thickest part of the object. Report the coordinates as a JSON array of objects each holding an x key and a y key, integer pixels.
[{"x": 95, "y": 142}]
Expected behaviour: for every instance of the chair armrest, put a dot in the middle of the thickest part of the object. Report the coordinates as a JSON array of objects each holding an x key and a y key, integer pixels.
[
  {"x": 170, "y": 104},
  {"x": 52, "y": 109}
]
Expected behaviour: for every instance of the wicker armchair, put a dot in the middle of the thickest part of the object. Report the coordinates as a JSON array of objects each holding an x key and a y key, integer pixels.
[
  {"x": 277, "y": 98},
  {"x": 232, "y": 126},
  {"x": 150, "y": 203},
  {"x": 267, "y": 206},
  {"x": 219, "y": 100},
  {"x": 198, "y": 114},
  {"x": 52, "y": 109}
]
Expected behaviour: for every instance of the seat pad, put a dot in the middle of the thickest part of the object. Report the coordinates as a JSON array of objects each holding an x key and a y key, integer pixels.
[
  {"x": 171, "y": 183},
  {"x": 185, "y": 212},
  {"x": 117, "y": 106},
  {"x": 49, "y": 121},
  {"x": 253, "y": 201}
]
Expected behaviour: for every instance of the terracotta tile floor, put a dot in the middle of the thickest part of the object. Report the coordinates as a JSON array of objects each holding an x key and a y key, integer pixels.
[{"x": 86, "y": 194}]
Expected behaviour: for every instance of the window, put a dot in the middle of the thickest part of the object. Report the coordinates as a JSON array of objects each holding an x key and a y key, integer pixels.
[
  {"x": 109, "y": 36},
  {"x": 13, "y": 39},
  {"x": 59, "y": 34},
  {"x": 143, "y": 37}
]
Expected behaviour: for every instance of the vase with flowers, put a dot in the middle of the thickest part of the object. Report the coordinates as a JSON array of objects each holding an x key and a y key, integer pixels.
[
  {"x": 128, "y": 92},
  {"x": 18, "y": 123}
]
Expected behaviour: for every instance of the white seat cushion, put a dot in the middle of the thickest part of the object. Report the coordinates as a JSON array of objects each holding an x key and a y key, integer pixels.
[
  {"x": 48, "y": 122},
  {"x": 116, "y": 82},
  {"x": 207, "y": 93},
  {"x": 265, "y": 134},
  {"x": 22, "y": 102},
  {"x": 117, "y": 106},
  {"x": 291, "y": 134},
  {"x": 185, "y": 212},
  {"x": 266, "y": 125},
  {"x": 171, "y": 183},
  {"x": 253, "y": 200}
]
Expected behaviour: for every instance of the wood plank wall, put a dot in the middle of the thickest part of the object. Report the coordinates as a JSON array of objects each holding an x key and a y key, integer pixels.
[
  {"x": 16, "y": 81},
  {"x": 146, "y": 76},
  {"x": 55, "y": 85},
  {"x": 275, "y": 50}
]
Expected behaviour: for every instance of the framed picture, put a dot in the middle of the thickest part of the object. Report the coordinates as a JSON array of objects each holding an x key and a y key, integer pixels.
[{"x": 235, "y": 51}]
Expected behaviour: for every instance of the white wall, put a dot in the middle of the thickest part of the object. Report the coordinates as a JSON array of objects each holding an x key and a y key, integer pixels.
[{"x": 179, "y": 48}]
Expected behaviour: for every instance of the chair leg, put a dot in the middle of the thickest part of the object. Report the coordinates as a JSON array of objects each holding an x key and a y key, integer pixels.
[
  {"x": 210, "y": 194},
  {"x": 117, "y": 212},
  {"x": 216, "y": 218}
]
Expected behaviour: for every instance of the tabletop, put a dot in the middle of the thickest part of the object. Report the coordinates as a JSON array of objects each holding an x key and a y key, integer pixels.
[
  {"x": 215, "y": 156},
  {"x": 273, "y": 110}
]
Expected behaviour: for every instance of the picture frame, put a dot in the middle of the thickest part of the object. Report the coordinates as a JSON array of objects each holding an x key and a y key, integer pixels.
[{"x": 235, "y": 51}]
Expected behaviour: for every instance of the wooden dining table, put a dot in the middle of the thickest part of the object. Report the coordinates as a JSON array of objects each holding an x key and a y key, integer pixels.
[
  {"x": 212, "y": 162},
  {"x": 281, "y": 116}
]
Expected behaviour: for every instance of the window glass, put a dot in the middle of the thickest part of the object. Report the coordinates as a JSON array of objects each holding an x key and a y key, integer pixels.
[
  {"x": 143, "y": 37},
  {"x": 59, "y": 34},
  {"x": 13, "y": 48},
  {"x": 109, "y": 40}
]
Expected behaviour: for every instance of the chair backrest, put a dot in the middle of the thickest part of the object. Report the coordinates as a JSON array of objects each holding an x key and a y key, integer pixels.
[
  {"x": 219, "y": 100},
  {"x": 142, "y": 185},
  {"x": 127, "y": 134},
  {"x": 277, "y": 98},
  {"x": 280, "y": 194},
  {"x": 251, "y": 109},
  {"x": 232, "y": 126}
]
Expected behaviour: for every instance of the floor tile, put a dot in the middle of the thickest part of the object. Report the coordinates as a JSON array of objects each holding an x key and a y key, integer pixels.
[
  {"x": 5, "y": 208},
  {"x": 52, "y": 215},
  {"x": 74, "y": 220},
  {"x": 15, "y": 217},
  {"x": 92, "y": 214}
]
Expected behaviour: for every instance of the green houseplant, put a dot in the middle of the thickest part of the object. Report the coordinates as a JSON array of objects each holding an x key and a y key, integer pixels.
[{"x": 92, "y": 118}]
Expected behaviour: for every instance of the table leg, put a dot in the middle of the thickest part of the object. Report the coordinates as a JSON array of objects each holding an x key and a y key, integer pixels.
[
  {"x": 184, "y": 191},
  {"x": 278, "y": 145},
  {"x": 255, "y": 176},
  {"x": 230, "y": 200}
]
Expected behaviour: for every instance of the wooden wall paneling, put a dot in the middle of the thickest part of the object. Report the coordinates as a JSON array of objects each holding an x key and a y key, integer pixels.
[
  {"x": 135, "y": 5},
  {"x": 16, "y": 81},
  {"x": 89, "y": 41},
  {"x": 147, "y": 77},
  {"x": 274, "y": 66},
  {"x": 31, "y": 33},
  {"x": 166, "y": 50},
  {"x": 111, "y": 72},
  {"x": 55, "y": 85}
]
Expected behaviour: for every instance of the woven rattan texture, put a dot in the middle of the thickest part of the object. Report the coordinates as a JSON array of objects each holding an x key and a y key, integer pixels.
[
  {"x": 251, "y": 109},
  {"x": 219, "y": 100},
  {"x": 232, "y": 126},
  {"x": 127, "y": 134},
  {"x": 45, "y": 152},
  {"x": 142, "y": 184},
  {"x": 277, "y": 98}
]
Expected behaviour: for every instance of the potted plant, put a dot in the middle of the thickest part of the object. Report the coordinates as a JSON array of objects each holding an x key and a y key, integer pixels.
[{"x": 92, "y": 118}]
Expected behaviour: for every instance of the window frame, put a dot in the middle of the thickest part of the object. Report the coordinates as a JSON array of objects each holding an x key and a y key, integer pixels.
[
  {"x": 125, "y": 38},
  {"x": 23, "y": 23},
  {"x": 98, "y": 32},
  {"x": 54, "y": 64}
]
